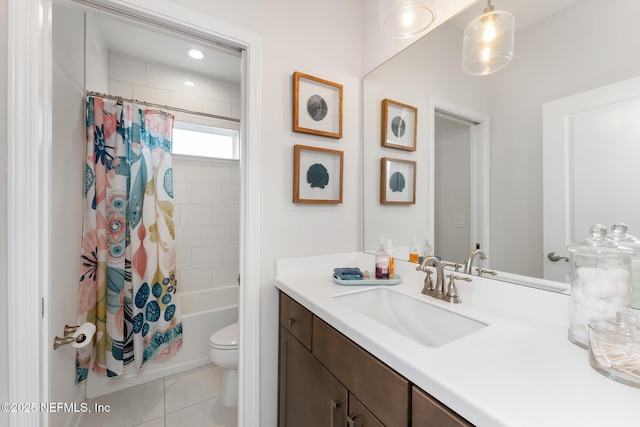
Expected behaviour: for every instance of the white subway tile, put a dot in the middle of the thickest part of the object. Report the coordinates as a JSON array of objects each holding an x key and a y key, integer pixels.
[
  {"x": 216, "y": 235},
  {"x": 202, "y": 87},
  {"x": 177, "y": 218},
  {"x": 164, "y": 78},
  {"x": 126, "y": 69},
  {"x": 219, "y": 172},
  {"x": 230, "y": 193},
  {"x": 231, "y": 255},
  {"x": 225, "y": 214},
  {"x": 188, "y": 236},
  {"x": 206, "y": 256},
  {"x": 204, "y": 192},
  {"x": 151, "y": 94},
  {"x": 187, "y": 102},
  {"x": 118, "y": 88},
  {"x": 195, "y": 280},
  {"x": 225, "y": 275},
  {"x": 218, "y": 108},
  {"x": 187, "y": 170},
  {"x": 226, "y": 92},
  {"x": 195, "y": 214}
]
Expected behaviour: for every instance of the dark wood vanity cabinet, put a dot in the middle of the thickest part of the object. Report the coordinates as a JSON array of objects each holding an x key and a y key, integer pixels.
[{"x": 326, "y": 380}]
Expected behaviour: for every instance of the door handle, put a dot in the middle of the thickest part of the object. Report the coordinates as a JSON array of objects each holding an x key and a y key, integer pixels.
[
  {"x": 335, "y": 404},
  {"x": 554, "y": 257}
]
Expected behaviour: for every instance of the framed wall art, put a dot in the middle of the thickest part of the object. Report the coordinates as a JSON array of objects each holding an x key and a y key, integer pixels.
[
  {"x": 317, "y": 175},
  {"x": 317, "y": 106},
  {"x": 397, "y": 182},
  {"x": 399, "y": 125}
]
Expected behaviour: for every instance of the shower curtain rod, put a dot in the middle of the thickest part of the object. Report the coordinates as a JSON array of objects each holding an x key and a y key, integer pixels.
[{"x": 150, "y": 104}]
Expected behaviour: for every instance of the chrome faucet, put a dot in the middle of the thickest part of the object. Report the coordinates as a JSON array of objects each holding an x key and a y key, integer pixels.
[
  {"x": 451, "y": 293},
  {"x": 468, "y": 264}
]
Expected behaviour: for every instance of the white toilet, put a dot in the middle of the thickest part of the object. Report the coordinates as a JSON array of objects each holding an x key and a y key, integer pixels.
[{"x": 223, "y": 351}]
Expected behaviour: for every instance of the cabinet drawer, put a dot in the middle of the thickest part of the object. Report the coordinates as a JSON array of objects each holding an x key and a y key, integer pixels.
[
  {"x": 428, "y": 412},
  {"x": 359, "y": 416},
  {"x": 383, "y": 391},
  {"x": 296, "y": 319}
]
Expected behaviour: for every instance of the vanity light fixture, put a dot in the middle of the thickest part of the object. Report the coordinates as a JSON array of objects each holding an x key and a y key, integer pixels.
[
  {"x": 406, "y": 18},
  {"x": 195, "y": 53},
  {"x": 487, "y": 44}
]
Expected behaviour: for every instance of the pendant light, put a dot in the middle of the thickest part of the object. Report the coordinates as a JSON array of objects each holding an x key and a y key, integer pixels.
[
  {"x": 487, "y": 44},
  {"x": 406, "y": 18}
]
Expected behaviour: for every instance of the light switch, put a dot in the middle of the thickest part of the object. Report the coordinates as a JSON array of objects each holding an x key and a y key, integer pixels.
[{"x": 458, "y": 221}]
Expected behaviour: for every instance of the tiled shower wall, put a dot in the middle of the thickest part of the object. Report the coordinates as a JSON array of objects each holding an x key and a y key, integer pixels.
[{"x": 206, "y": 191}]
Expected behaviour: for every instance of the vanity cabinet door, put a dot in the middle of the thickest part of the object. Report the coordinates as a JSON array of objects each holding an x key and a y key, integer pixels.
[
  {"x": 359, "y": 416},
  {"x": 296, "y": 319},
  {"x": 428, "y": 412},
  {"x": 382, "y": 390},
  {"x": 308, "y": 394}
]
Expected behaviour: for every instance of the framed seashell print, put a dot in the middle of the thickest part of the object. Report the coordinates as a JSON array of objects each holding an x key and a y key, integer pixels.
[
  {"x": 317, "y": 106},
  {"x": 397, "y": 182},
  {"x": 317, "y": 175},
  {"x": 399, "y": 125}
]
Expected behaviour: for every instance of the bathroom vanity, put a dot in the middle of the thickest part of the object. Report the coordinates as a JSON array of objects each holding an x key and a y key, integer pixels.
[{"x": 342, "y": 363}]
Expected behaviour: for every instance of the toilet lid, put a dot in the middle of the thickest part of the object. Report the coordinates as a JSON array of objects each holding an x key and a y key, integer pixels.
[{"x": 225, "y": 338}]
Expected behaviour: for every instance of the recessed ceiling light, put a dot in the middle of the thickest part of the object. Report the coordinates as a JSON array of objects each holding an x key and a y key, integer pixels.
[
  {"x": 188, "y": 83},
  {"x": 195, "y": 54}
]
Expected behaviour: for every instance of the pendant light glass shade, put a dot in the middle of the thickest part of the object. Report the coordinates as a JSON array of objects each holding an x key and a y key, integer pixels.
[
  {"x": 406, "y": 18},
  {"x": 487, "y": 45}
]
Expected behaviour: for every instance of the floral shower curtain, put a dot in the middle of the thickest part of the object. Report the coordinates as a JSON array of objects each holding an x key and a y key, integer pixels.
[{"x": 128, "y": 264}]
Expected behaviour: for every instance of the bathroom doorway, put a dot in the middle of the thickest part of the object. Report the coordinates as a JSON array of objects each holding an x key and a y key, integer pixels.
[
  {"x": 461, "y": 180},
  {"x": 53, "y": 304}
]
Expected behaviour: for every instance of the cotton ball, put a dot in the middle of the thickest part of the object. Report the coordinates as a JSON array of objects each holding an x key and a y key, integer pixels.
[
  {"x": 589, "y": 289},
  {"x": 616, "y": 274},
  {"x": 604, "y": 288},
  {"x": 594, "y": 304},
  {"x": 587, "y": 275},
  {"x": 623, "y": 289}
]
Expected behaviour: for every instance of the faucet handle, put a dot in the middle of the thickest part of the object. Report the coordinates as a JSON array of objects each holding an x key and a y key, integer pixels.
[
  {"x": 452, "y": 290},
  {"x": 455, "y": 265},
  {"x": 481, "y": 271},
  {"x": 428, "y": 282}
]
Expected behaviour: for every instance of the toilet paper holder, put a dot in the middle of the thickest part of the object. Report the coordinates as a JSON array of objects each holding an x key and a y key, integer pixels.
[{"x": 69, "y": 330}]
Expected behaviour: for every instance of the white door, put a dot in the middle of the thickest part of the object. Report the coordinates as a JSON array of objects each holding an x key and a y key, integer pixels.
[{"x": 591, "y": 175}]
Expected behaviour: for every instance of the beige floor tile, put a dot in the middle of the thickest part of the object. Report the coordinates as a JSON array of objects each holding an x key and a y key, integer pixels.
[
  {"x": 209, "y": 413},
  {"x": 128, "y": 408},
  {"x": 186, "y": 389},
  {"x": 158, "y": 422}
]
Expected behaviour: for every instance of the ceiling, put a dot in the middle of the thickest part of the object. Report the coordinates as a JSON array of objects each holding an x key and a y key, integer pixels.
[
  {"x": 162, "y": 47},
  {"x": 526, "y": 12}
]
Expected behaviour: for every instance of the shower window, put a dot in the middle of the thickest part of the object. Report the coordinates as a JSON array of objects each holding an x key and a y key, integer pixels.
[{"x": 205, "y": 141}]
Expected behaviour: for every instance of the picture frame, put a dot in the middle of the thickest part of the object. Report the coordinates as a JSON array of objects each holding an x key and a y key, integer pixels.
[
  {"x": 317, "y": 106},
  {"x": 399, "y": 125},
  {"x": 397, "y": 181},
  {"x": 317, "y": 175}
]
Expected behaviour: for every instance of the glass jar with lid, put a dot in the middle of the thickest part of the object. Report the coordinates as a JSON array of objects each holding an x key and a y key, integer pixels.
[
  {"x": 601, "y": 281},
  {"x": 619, "y": 235}
]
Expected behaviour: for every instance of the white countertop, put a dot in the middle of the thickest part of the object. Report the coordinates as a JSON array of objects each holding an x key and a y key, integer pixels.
[{"x": 520, "y": 370}]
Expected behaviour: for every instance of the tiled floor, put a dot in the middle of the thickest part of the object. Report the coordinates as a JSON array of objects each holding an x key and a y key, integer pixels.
[{"x": 187, "y": 399}]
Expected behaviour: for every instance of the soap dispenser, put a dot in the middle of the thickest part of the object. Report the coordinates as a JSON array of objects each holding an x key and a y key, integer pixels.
[{"x": 382, "y": 261}]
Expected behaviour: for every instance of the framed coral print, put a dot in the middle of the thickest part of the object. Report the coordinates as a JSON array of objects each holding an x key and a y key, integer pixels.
[
  {"x": 397, "y": 182},
  {"x": 317, "y": 175},
  {"x": 317, "y": 106},
  {"x": 399, "y": 125}
]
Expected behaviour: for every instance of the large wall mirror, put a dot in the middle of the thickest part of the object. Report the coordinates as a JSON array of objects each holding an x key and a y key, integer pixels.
[{"x": 480, "y": 145}]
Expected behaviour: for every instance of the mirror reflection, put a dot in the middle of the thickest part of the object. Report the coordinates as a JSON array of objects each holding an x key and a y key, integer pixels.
[{"x": 482, "y": 166}]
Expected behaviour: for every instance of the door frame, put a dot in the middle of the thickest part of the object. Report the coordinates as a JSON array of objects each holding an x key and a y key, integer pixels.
[
  {"x": 480, "y": 170},
  {"x": 29, "y": 145}
]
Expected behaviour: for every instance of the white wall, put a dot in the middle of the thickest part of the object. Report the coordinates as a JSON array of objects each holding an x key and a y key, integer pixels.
[
  {"x": 4, "y": 377},
  {"x": 323, "y": 39}
]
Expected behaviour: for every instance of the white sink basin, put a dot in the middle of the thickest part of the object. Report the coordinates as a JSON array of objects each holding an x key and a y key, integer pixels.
[{"x": 424, "y": 323}]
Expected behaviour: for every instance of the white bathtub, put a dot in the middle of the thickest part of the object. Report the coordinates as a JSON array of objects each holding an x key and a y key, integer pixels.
[{"x": 203, "y": 313}]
